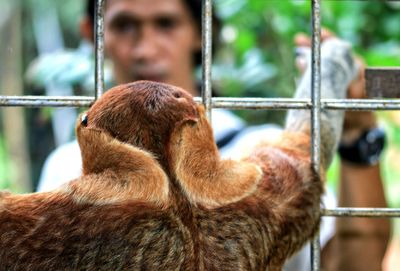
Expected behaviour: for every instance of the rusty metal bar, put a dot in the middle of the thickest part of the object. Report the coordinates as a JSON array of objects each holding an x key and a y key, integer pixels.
[
  {"x": 383, "y": 82},
  {"x": 206, "y": 92},
  {"x": 362, "y": 212},
  {"x": 99, "y": 48},
  {"x": 316, "y": 113}
]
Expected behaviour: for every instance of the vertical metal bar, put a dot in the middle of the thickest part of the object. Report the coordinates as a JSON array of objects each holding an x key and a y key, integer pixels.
[
  {"x": 316, "y": 111},
  {"x": 99, "y": 47},
  {"x": 206, "y": 92}
]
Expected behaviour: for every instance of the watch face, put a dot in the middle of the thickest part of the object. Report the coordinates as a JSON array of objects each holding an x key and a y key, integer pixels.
[{"x": 375, "y": 141}]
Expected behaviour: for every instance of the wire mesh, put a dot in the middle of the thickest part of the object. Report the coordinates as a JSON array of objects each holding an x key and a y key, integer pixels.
[{"x": 315, "y": 104}]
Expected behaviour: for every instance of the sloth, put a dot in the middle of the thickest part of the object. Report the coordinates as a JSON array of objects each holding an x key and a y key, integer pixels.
[{"x": 154, "y": 193}]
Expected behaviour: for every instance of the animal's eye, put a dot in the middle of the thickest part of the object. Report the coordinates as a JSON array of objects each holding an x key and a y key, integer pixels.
[
  {"x": 84, "y": 120},
  {"x": 177, "y": 95}
]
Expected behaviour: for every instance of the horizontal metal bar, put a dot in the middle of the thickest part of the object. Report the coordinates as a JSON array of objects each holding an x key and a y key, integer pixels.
[
  {"x": 261, "y": 103},
  {"x": 362, "y": 212},
  {"x": 362, "y": 104},
  {"x": 289, "y": 103},
  {"x": 50, "y": 101},
  {"x": 383, "y": 82},
  {"x": 220, "y": 102}
]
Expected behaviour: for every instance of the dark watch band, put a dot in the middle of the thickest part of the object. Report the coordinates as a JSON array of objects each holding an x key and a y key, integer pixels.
[{"x": 366, "y": 150}]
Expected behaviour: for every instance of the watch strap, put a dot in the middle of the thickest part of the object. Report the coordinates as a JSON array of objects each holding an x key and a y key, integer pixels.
[{"x": 366, "y": 150}]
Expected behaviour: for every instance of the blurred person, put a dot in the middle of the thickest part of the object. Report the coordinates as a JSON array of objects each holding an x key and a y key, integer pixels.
[{"x": 161, "y": 41}]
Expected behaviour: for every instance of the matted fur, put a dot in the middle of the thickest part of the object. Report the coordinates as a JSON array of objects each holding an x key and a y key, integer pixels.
[{"x": 155, "y": 195}]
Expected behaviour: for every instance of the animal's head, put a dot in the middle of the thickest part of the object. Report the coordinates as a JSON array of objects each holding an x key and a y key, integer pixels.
[{"x": 142, "y": 114}]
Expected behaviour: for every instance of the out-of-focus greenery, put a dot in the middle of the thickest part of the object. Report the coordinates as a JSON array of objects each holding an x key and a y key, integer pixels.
[
  {"x": 3, "y": 166},
  {"x": 257, "y": 32}
]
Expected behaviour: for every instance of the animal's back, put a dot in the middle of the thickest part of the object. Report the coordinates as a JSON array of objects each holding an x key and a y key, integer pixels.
[{"x": 63, "y": 235}]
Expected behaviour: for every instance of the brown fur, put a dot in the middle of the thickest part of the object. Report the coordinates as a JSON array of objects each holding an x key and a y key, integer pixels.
[{"x": 155, "y": 195}]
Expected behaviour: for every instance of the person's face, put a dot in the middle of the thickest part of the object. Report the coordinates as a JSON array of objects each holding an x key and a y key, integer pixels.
[{"x": 151, "y": 40}]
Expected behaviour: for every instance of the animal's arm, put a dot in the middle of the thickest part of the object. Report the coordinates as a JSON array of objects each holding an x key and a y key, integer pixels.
[
  {"x": 285, "y": 197},
  {"x": 205, "y": 178},
  {"x": 292, "y": 190},
  {"x": 115, "y": 172},
  {"x": 274, "y": 191},
  {"x": 338, "y": 68},
  {"x": 213, "y": 182}
]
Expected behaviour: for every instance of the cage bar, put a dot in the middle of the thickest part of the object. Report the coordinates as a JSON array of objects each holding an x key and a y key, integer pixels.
[
  {"x": 206, "y": 92},
  {"x": 46, "y": 101},
  {"x": 316, "y": 113},
  {"x": 219, "y": 102},
  {"x": 99, "y": 48},
  {"x": 362, "y": 212}
]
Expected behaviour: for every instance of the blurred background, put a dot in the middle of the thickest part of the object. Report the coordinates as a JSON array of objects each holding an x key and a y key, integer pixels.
[{"x": 41, "y": 53}]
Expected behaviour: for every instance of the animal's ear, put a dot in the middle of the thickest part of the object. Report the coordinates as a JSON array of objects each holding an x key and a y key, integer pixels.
[
  {"x": 201, "y": 113},
  {"x": 194, "y": 118}
]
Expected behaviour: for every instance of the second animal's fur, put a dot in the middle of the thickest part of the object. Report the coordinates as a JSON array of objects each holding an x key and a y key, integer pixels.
[{"x": 155, "y": 195}]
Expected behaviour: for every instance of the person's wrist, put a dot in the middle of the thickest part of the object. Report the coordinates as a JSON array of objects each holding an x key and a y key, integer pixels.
[{"x": 362, "y": 148}]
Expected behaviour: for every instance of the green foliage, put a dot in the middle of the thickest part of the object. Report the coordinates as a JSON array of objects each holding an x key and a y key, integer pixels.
[
  {"x": 4, "y": 166},
  {"x": 268, "y": 28}
]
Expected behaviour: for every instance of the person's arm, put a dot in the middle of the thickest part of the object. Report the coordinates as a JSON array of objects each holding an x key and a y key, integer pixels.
[{"x": 359, "y": 243}]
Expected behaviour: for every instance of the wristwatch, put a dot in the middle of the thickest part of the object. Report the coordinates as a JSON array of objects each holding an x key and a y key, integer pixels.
[{"x": 366, "y": 150}]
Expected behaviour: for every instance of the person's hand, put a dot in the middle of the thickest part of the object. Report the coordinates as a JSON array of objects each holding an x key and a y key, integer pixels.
[{"x": 356, "y": 122}]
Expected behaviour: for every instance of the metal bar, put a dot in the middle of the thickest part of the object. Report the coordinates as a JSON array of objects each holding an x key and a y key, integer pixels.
[
  {"x": 362, "y": 212},
  {"x": 220, "y": 102},
  {"x": 316, "y": 112},
  {"x": 50, "y": 101},
  {"x": 289, "y": 103},
  {"x": 99, "y": 47},
  {"x": 383, "y": 82},
  {"x": 316, "y": 86},
  {"x": 316, "y": 252},
  {"x": 260, "y": 103},
  {"x": 361, "y": 104},
  {"x": 206, "y": 92}
]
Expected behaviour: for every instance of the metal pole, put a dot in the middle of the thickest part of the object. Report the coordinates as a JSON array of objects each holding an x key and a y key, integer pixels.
[
  {"x": 206, "y": 92},
  {"x": 362, "y": 212},
  {"x": 316, "y": 112},
  {"x": 99, "y": 47},
  {"x": 219, "y": 102}
]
